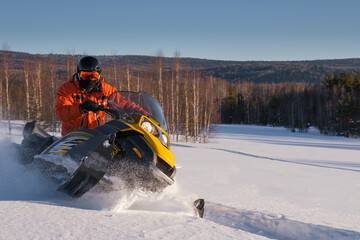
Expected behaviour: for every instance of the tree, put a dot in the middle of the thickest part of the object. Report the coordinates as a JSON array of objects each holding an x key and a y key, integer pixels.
[
  {"x": 38, "y": 88},
  {"x": 128, "y": 76},
  {"x": 27, "y": 87},
  {"x": 187, "y": 110},
  {"x": 160, "y": 77},
  {"x": 1, "y": 94},
  {"x": 6, "y": 64},
  {"x": 209, "y": 106},
  {"x": 196, "y": 105},
  {"x": 116, "y": 80},
  {"x": 51, "y": 77}
]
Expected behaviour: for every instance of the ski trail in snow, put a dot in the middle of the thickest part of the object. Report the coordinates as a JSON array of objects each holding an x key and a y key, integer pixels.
[
  {"x": 330, "y": 165},
  {"x": 273, "y": 226},
  {"x": 289, "y": 161}
]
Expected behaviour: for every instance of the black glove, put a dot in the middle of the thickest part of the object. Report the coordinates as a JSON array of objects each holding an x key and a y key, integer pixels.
[{"x": 89, "y": 105}]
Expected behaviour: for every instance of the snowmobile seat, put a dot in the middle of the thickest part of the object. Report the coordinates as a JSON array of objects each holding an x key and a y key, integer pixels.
[
  {"x": 35, "y": 141},
  {"x": 31, "y": 128}
]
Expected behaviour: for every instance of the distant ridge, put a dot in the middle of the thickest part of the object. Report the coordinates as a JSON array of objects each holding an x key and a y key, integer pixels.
[{"x": 311, "y": 71}]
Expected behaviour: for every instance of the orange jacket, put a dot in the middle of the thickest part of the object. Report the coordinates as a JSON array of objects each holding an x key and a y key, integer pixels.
[{"x": 67, "y": 105}]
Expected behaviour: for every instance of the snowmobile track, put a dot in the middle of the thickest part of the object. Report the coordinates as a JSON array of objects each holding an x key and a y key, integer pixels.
[{"x": 272, "y": 226}]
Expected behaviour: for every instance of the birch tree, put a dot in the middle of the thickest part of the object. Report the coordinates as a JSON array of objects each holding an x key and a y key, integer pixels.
[
  {"x": 177, "y": 93},
  {"x": 196, "y": 106},
  {"x": 128, "y": 76},
  {"x": 187, "y": 112},
  {"x": 6, "y": 63},
  {"x": 27, "y": 87},
  {"x": 70, "y": 63},
  {"x": 38, "y": 88},
  {"x": 1, "y": 94},
  {"x": 172, "y": 97},
  {"x": 160, "y": 77},
  {"x": 208, "y": 109},
  {"x": 138, "y": 83},
  {"x": 117, "y": 81},
  {"x": 52, "y": 89}
]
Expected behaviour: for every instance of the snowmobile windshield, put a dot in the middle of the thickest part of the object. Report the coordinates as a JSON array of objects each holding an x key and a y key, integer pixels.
[{"x": 138, "y": 103}]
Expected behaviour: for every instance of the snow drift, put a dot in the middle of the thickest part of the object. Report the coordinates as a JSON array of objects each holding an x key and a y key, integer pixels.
[{"x": 258, "y": 183}]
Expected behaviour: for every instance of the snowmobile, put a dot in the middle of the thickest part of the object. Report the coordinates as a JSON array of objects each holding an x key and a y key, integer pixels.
[{"x": 132, "y": 146}]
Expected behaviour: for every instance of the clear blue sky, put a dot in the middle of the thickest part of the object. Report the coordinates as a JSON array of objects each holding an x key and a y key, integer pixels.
[{"x": 228, "y": 30}]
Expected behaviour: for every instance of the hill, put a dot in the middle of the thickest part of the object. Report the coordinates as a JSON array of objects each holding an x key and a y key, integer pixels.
[
  {"x": 289, "y": 71},
  {"x": 232, "y": 71}
]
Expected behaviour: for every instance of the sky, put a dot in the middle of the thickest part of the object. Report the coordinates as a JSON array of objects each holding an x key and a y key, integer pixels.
[{"x": 239, "y": 30}]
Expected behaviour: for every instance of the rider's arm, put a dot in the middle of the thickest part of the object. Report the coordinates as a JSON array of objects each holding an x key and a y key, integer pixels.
[{"x": 65, "y": 107}]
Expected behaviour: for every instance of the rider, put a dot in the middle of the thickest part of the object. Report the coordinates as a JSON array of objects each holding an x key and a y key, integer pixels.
[{"x": 78, "y": 101}]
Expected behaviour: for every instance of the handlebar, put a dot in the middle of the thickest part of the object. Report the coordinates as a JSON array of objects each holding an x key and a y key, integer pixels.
[
  {"x": 113, "y": 113},
  {"x": 102, "y": 108},
  {"x": 118, "y": 112}
]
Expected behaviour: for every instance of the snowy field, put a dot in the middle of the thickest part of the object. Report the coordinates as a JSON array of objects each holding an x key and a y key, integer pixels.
[{"x": 258, "y": 183}]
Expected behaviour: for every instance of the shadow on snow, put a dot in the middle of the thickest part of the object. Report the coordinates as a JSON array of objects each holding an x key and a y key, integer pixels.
[{"x": 273, "y": 226}]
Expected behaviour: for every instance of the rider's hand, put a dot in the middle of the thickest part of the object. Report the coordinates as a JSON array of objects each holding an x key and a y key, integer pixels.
[{"x": 89, "y": 106}]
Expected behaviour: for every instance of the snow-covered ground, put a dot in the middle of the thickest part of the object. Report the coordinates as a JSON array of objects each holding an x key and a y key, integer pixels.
[{"x": 258, "y": 183}]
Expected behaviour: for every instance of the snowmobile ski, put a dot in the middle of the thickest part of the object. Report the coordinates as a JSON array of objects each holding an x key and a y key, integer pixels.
[{"x": 199, "y": 206}]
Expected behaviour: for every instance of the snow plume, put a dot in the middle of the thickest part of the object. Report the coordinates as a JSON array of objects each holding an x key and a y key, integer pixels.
[
  {"x": 16, "y": 181},
  {"x": 169, "y": 200}
]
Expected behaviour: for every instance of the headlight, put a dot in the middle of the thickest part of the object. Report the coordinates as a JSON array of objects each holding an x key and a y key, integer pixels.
[
  {"x": 163, "y": 139},
  {"x": 151, "y": 128}
]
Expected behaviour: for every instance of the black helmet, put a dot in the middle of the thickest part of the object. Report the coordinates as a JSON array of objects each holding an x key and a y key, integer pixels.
[{"x": 89, "y": 64}]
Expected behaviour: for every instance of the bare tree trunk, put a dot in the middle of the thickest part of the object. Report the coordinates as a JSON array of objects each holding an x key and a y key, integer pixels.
[
  {"x": 117, "y": 81},
  {"x": 196, "y": 106},
  {"x": 6, "y": 62},
  {"x": 138, "y": 83},
  {"x": 128, "y": 76},
  {"x": 7, "y": 97},
  {"x": 187, "y": 117},
  {"x": 160, "y": 79},
  {"x": 172, "y": 105},
  {"x": 38, "y": 89},
  {"x": 292, "y": 116},
  {"x": 177, "y": 93},
  {"x": 1, "y": 99},
  {"x": 27, "y": 88},
  {"x": 53, "y": 90},
  {"x": 1, "y": 95},
  {"x": 209, "y": 100},
  {"x": 205, "y": 113},
  {"x": 68, "y": 64}
]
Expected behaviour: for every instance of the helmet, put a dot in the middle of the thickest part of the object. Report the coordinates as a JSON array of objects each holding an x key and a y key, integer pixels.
[{"x": 89, "y": 64}]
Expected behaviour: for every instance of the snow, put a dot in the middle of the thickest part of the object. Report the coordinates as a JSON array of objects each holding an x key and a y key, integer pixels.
[{"x": 258, "y": 183}]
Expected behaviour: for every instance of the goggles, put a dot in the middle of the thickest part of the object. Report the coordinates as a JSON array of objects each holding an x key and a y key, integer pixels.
[{"x": 89, "y": 75}]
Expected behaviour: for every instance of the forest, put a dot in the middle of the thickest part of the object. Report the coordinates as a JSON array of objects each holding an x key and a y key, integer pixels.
[
  {"x": 332, "y": 106},
  {"x": 192, "y": 98}
]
